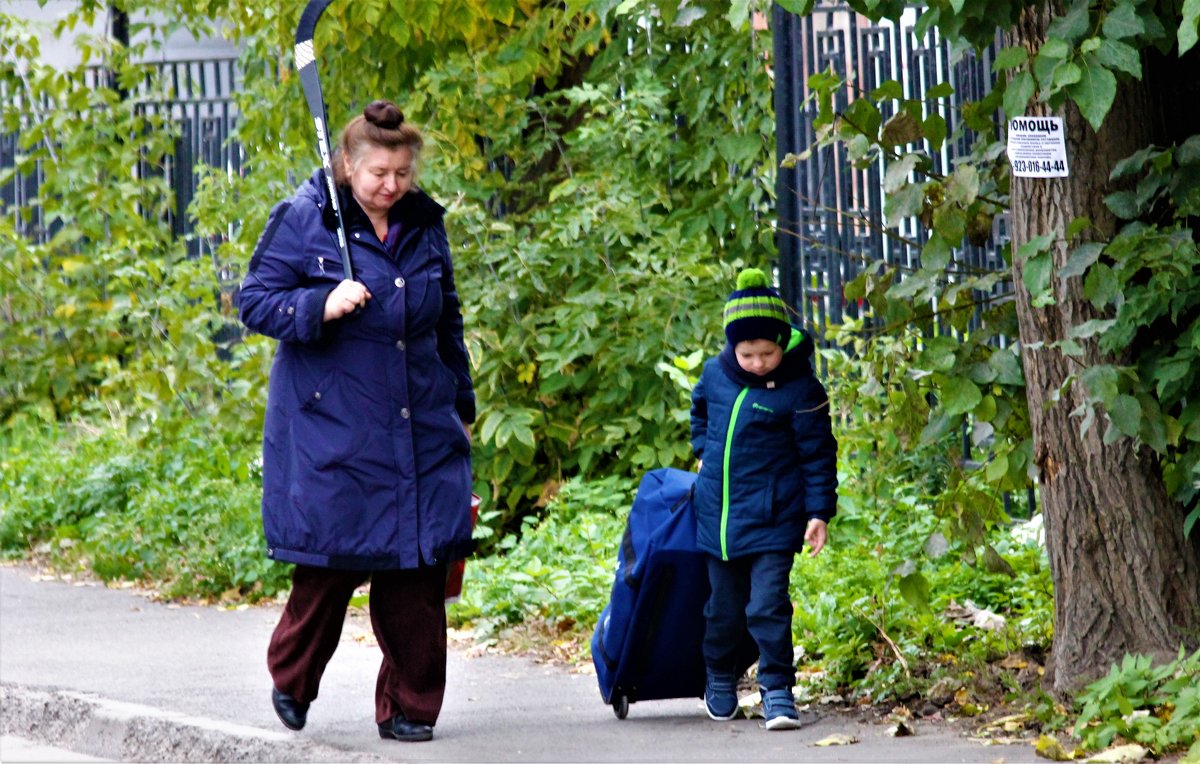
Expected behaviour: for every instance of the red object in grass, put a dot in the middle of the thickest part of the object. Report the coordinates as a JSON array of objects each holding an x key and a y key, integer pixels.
[{"x": 456, "y": 569}]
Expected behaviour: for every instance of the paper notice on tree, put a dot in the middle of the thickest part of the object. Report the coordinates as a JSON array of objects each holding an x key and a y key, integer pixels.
[{"x": 1037, "y": 147}]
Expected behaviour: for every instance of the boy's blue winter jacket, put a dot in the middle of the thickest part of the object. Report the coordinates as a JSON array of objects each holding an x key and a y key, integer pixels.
[
  {"x": 770, "y": 458},
  {"x": 366, "y": 465}
]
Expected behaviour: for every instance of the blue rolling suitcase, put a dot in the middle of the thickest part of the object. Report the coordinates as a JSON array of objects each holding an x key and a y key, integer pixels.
[{"x": 648, "y": 642}]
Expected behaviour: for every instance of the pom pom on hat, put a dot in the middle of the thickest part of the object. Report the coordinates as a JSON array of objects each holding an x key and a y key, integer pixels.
[
  {"x": 756, "y": 311},
  {"x": 752, "y": 278}
]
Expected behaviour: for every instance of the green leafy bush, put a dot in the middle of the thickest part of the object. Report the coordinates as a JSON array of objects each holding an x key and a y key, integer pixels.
[
  {"x": 1157, "y": 706},
  {"x": 863, "y": 631},
  {"x": 559, "y": 569},
  {"x": 179, "y": 512}
]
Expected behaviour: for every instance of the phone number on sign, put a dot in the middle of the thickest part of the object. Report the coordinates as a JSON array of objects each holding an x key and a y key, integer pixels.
[{"x": 1022, "y": 165}]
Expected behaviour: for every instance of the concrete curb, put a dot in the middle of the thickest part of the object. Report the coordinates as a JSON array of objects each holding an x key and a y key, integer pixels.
[{"x": 122, "y": 731}]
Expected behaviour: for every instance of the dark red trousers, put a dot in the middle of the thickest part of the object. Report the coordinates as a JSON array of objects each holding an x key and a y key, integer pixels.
[{"x": 408, "y": 615}]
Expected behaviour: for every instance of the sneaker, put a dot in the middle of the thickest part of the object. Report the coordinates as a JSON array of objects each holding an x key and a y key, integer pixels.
[
  {"x": 780, "y": 710},
  {"x": 720, "y": 696}
]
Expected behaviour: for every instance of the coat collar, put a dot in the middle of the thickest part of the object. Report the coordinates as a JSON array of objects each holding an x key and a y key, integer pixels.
[{"x": 796, "y": 363}]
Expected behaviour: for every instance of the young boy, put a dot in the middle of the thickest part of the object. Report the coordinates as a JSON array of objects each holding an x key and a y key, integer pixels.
[{"x": 767, "y": 484}]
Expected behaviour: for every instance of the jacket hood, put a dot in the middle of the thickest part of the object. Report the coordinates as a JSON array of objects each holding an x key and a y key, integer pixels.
[
  {"x": 796, "y": 363},
  {"x": 415, "y": 209}
]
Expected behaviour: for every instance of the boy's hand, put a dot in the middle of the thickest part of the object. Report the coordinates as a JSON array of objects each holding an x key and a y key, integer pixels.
[{"x": 815, "y": 536}]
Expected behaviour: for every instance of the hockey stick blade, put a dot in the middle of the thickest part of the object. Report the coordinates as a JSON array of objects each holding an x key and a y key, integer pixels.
[{"x": 306, "y": 65}]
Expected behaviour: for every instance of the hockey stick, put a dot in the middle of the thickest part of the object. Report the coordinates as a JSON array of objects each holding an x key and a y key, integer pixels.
[{"x": 306, "y": 65}]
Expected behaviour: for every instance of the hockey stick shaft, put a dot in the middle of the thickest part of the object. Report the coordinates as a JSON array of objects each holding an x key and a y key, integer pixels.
[{"x": 306, "y": 66}]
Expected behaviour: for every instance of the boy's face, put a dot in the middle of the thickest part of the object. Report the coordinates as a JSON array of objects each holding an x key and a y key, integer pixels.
[{"x": 759, "y": 357}]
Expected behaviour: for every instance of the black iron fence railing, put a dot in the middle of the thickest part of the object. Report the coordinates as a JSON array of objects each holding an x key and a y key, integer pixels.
[
  {"x": 830, "y": 214},
  {"x": 196, "y": 95}
]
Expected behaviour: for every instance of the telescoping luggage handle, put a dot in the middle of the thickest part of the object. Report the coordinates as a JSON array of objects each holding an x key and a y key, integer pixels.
[{"x": 630, "y": 553}]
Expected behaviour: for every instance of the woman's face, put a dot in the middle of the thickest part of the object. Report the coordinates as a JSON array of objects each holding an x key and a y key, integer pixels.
[{"x": 380, "y": 177}]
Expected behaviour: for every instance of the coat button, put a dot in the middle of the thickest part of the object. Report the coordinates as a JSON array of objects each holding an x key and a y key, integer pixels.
[
  {"x": 357, "y": 235},
  {"x": 399, "y": 344},
  {"x": 291, "y": 309},
  {"x": 317, "y": 395},
  {"x": 399, "y": 282},
  {"x": 404, "y": 413}
]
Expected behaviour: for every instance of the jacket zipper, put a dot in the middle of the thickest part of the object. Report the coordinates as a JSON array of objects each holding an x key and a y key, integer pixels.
[{"x": 737, "y": 406}]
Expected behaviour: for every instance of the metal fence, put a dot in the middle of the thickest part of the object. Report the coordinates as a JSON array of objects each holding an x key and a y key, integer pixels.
[
  {"x": 203, "y": 108},
  {"x": 830, "y": 214},
  {"x": 18, "y": 195},
  {"x": 197, "y": 96}
]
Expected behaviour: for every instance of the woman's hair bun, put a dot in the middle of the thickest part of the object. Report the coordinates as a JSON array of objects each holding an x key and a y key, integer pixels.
[{"x": 384, "y": 114}]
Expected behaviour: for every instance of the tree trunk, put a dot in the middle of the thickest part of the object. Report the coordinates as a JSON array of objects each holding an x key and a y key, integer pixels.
[{"x": 1125, "y": 578}]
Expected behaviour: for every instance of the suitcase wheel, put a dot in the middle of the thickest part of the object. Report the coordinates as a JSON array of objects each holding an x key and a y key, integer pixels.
[{"x": 620, "y": 706}]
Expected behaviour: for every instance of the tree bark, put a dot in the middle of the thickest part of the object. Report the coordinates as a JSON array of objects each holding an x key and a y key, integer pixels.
[{"x": 1125, "y": 578}]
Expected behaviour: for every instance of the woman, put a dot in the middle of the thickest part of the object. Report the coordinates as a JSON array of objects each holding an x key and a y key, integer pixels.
[{"x": 366, "y": 452}]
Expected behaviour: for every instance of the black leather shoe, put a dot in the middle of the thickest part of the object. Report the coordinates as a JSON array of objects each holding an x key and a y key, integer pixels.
[
  {"x": 399, "y": 728},
  {"x": 291, "y": 712}
]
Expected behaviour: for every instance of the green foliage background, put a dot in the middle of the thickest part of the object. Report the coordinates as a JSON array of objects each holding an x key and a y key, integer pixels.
[
  {"x": 607, "y": 169},
  {"x": 602, "y": 190}
]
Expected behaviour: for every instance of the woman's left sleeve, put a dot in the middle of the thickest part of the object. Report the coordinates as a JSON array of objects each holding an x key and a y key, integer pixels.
[
  {"x": 451, "y": 348},
  {"x": 817, "y": 449}
]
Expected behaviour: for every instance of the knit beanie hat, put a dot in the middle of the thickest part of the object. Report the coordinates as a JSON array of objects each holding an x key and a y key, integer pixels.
[{"x": 756, "y": 311}]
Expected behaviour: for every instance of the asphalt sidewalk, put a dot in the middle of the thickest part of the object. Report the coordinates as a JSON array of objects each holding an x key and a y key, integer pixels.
[{"x": 110, "y": 674}]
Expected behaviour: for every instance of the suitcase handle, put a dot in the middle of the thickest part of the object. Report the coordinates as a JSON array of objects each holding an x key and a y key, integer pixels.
[
  {"x": 628, "y": 552},
  {"x": 683, "y": 499}
]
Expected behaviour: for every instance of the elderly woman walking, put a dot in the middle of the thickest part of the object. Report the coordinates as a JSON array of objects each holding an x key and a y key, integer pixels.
[{"x": 366, "y": 446}]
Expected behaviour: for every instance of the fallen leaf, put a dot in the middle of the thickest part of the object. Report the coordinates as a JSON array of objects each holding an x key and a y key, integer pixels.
[
  {"x": 1010, "y": 723},
  {"x": 1048, "y": 747},
  {"x": 1014, "y": 661},
  {"x": 1121, "y": 754},
  {"x": 836, "y": 740}
]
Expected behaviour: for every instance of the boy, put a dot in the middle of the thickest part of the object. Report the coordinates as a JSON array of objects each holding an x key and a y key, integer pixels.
[{"x": 767, "y": 484}]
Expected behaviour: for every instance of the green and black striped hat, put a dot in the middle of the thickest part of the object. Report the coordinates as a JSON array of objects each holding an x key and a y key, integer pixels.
[{"x": 756, "y": 311}]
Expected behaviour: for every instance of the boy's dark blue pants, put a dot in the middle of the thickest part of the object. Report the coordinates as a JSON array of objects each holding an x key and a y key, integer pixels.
[{"x": 751, "y": 593}]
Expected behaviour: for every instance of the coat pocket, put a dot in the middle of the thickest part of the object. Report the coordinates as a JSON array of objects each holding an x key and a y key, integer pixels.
[
  {"x": 326, "y": 429},
  {"x": 458, "y": 435},
  {"x": 767, "y": 497}
]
